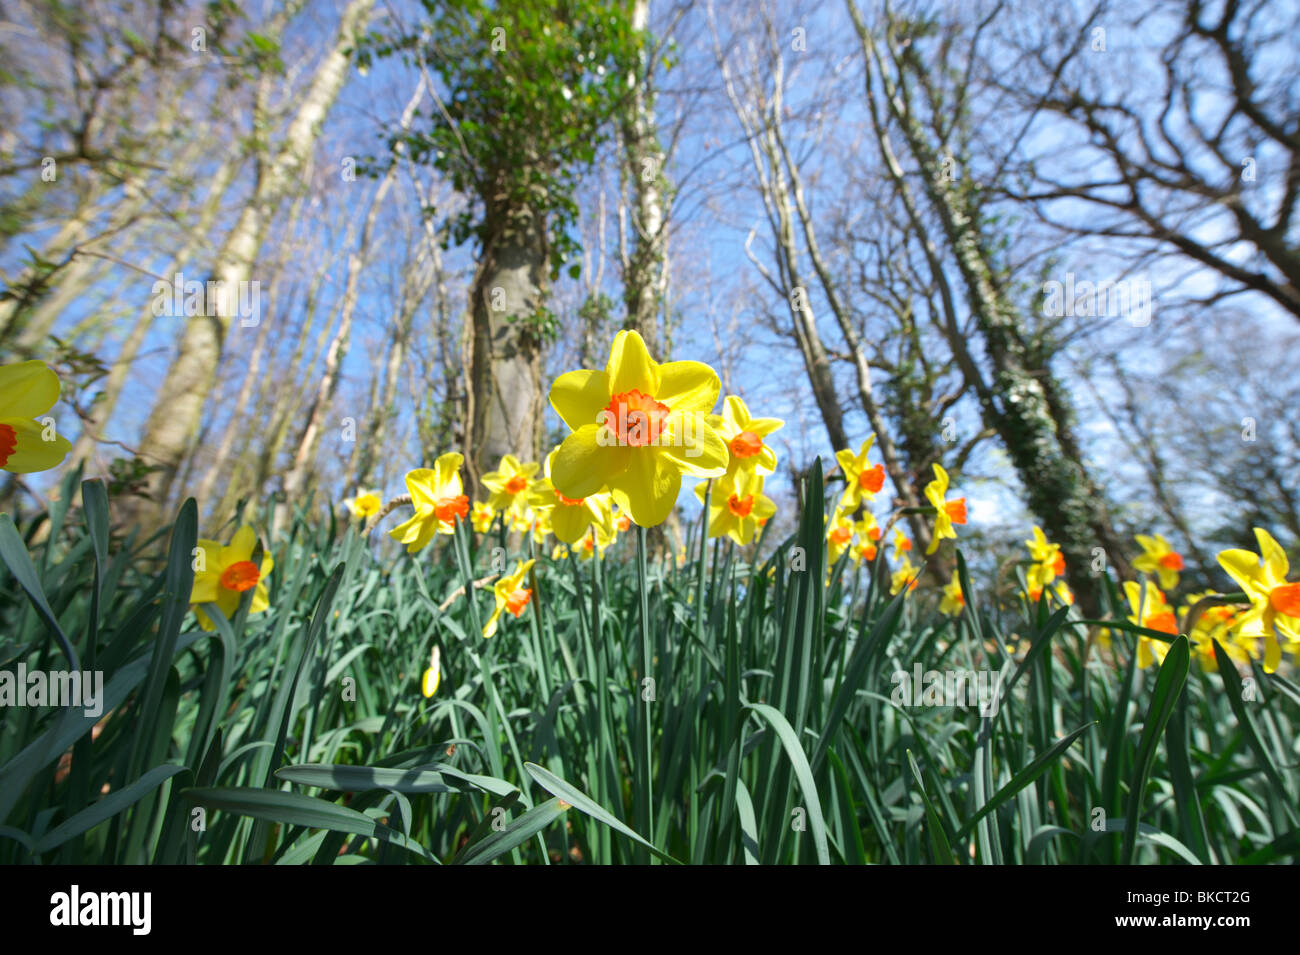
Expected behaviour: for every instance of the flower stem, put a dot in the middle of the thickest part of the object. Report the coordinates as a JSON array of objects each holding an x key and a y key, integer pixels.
[{"x": 645, "y": 784}]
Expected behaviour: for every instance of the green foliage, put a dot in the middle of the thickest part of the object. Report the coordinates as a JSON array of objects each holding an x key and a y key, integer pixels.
[
  {"x": 527, "y": 91},
  {"x": 772, "y": 725}
]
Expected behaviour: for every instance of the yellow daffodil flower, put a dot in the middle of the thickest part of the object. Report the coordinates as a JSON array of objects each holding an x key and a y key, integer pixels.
[
  {"x": 509, "y": 485},
  {"x": 482, "y": 516},
  {"x": 365, "y": 504},
  {"x": 904, "y": 576},
  {"x": 570, "y": 518},
  {"x": 953, "y": 602},
  {"x": 736, "y": 505},
  {"x": 432, "y": 676},
  {"x": 744, "y": 437},
  {"x": 28, "y": 390},
  {"x": 1160, "y": 559},
  {"x": 638, "y": 426},
  {"x": 438, "y": 497},
  {"x": 947, "y": 513},
  {"x": 1049, "y": 563},
  {"x": 222, "y": 573},
  {"x": 839, "y": 535},
  {"x": 1274, "y": 602},
  {"x": 1217, "y": 623},
  {"x": 866, "y": 550},
  {"x": 862, "y": 483},
  {"x": 1155, "y": 614},
  {"x": 511, "y": 595},
  {"x": 901, "y": 543}
]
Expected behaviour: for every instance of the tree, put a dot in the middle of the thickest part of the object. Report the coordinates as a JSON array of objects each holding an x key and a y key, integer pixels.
[{"x": 525, "y": 92}]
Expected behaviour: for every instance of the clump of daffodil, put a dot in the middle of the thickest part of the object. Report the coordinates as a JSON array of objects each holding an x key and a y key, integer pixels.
[
  {"x": 28, "y": 390},
  {"x": 365, "y": 504},
  {"x": 736, "y": 505},
  {"x": 432, "y": 676},
  {"x": 1150, "y": 610},
  {"x": 570, "y": 518},
  {"x": 953, "y": 602},
  {"x": 861, "y": 482},
  {"x": 438, "y": 497},
  {"x": 511, "y": 595},
  {"x": 1274, "y": 601},
  {"x": 638, "y": 426},
  {"x": 839, "y": 535},
  {"x": 904, "y": 576},
  {"x": 947, "y": 513},
  {"x": 509, "y": 485},
  {"x": 1048, "y": 563},
  {"x": 1160, "y": 559},
  {"x": 481, "y": 516},
  {"x": 744, "y": 437},
  {"x": 224, "y": 572}
]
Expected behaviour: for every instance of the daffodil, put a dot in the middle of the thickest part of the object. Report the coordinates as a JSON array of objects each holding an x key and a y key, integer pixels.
[
  {"x": 861, "y": 482},
  {"x": 744, "y": 437},
  {"x": 482, "y": 515},
  {"x": 1150, "y": 610},
  {"x": 901, "y": 543},
  {"x": 839, "y": 535},
  {"x": 947, "y": 513},
  {"x": 569, "y": 518},
  {"x": 736, "y": 505},
  {"x": 866, "y": 550},
  {"x": 1217, "y": 623},
  {"x": 432, "y": 676},
  {"x": 28, "y": 390},
  {"x": 638, "y": 426},
  {"x": 365, "y": 504},
  {"x": 1274, "y": 602},
  {"x": 222, "y": 574},
  {"x": 1048, "y": 563},
  {"x": 511, "y": 595},
  {"x": 904, "y": 576},
  {"x": 438, "y": 498},
  {"x": 1159, "y": 558},
  {"x": 953, "y": 602},
  {"x": 509, "y": 485}
]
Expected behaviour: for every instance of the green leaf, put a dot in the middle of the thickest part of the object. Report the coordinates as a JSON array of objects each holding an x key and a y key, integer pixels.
[{"x": 1169, "y": 683}]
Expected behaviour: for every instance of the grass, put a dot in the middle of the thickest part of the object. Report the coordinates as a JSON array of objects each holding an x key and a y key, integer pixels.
[{"x": 721, "y": 711}]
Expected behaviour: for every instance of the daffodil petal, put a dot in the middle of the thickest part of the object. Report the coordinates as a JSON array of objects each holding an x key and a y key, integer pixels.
[
  {"x": 695, "y": 447},
  {"x": 32, "y": 452},
  {"x": 27, "y": 389},
  {"x": 689, "y": 386},
  {"x": 583, "y": 465},
  {"x": 647, "y": 490},
  {"x": 631, "y": 367},
  {"x": 578, "y": 397}
]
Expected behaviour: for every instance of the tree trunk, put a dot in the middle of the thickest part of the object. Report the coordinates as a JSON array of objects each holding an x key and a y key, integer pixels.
[{"x": 506, "y": 392}]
